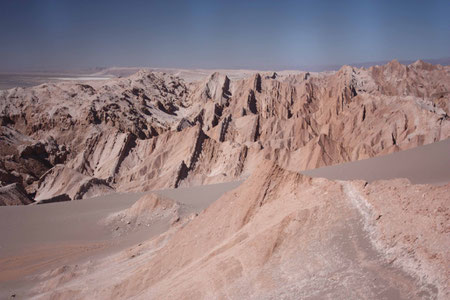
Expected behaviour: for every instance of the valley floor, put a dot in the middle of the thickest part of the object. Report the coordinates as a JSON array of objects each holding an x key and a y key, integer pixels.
[{"x": 36, "y": 238}]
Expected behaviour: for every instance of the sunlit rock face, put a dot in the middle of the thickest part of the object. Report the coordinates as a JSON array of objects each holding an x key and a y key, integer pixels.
[{"x": 156, "y": 130}]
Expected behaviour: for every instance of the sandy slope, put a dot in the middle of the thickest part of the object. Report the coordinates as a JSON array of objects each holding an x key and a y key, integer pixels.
[
  {"x": 278, "y": 235},
  {"x": 425, "y": 164},
  {"x": 42, "y": 237},
  {"x": 282, "y": 235}
]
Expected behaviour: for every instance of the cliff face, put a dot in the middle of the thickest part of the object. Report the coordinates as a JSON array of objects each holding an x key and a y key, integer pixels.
[{"x": 154, "y": 130}]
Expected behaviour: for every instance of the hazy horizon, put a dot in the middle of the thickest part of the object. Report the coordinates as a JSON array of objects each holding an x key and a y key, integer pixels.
[
  {"x": 311, "y": 68},
  {"x": 79, "y": 35}
]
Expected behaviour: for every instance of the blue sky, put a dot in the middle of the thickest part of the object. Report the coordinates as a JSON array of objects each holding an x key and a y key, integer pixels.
[{"x": 62, "y": 34}]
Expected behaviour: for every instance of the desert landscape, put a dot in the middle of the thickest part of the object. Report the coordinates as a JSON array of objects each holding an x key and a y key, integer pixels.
[
  {"x": 225, "y": 150},
  {"x": 233, "y": 184}
]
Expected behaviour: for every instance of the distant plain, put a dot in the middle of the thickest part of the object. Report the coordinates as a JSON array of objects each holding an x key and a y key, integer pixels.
[{"x": 9, "y": 81}]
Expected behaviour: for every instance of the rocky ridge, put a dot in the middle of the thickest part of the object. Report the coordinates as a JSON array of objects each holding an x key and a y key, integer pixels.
[
  {"x": 282, "y": 235},
  {"x": 155, "y": 130}
]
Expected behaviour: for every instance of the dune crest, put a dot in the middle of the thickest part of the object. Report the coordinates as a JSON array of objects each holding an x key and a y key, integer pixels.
[
  {"x": 282, "y": 234},
  {"x": 148, "y": 210}
]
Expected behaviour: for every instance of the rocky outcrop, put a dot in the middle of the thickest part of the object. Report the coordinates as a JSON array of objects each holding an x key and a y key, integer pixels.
[
  {"x": 61, "y": 180},
  {"x": 149, "y": 210},
  {"x": 14, "y": 194},
  {"x": 154, "y": 130},
  {"x": 58, "y": 198},
  {"x": 217, "y": 88}
]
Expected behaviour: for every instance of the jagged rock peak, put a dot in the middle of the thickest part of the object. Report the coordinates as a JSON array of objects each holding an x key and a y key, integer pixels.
[
  {"x": 307, "y": 75},
  {"x": 257, "y": 86},
  {"x": 124, "y": 130},
  {"x": 217, "y": 87},
  {"x": 420, "y": 64},
  {"x": 145, "y": 73},
  {"x": 346, "y": 70},
  {"x": 215, "y": 76},
  {"x": 273, "y": 76},
  {"x": 394, "y": 65}
]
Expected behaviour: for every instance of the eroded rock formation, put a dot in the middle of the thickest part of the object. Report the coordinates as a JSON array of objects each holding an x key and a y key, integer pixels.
[{"x": 154, "y": 130}]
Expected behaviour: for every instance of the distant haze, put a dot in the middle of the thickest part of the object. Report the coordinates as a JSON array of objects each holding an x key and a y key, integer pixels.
[{"x": 77, "y": 35}]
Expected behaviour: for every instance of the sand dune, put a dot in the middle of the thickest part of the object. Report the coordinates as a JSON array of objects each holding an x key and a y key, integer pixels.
[
  {"x": 283, "y": 235},
  {"x": 42, "y": 237},
  {"x": 425, "y": 164},
  {"x": 72, "y": 237}
]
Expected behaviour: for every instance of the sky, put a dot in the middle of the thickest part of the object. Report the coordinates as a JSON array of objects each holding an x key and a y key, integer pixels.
[{"x": 79, "y": 34}]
